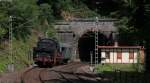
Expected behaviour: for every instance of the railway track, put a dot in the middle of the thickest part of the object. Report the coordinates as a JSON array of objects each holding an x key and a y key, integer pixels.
[
  {"x": 60, "y": 74},
  {"x": 28, "y": 74},
  {"x": 40, "y": 75},
  {"x": 70, "y": 75},
  {"x": 66, "y": 77},
  {"x": 24, "y": 74}
]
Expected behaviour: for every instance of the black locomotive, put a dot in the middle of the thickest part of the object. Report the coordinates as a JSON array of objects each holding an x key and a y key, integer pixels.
[{"x": 47, "y": 52}]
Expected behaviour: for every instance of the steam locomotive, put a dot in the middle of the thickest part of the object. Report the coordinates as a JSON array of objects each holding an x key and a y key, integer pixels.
[{"x": 47, "y": 53}]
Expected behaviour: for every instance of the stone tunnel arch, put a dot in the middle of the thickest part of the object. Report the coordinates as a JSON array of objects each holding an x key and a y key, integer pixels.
[{"x": 86, "y": 44}]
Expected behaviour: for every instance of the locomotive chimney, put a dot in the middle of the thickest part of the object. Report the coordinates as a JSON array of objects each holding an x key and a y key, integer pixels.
[
  {"x": 116, "y": 43},
  {"x": 116, "y": 40}
]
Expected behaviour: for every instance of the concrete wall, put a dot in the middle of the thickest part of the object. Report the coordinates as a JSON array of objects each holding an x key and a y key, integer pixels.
[{"x": 70, "y": 32}]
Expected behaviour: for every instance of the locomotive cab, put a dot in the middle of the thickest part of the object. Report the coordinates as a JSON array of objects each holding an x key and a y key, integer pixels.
[{"x": 47, "y": 52}]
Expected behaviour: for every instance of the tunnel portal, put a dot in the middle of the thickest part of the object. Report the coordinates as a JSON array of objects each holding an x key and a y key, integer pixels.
[{"x": 86, "y": 44}]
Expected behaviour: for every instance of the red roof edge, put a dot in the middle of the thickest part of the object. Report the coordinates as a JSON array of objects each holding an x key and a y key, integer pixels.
[{"x": 132, "y": 47}]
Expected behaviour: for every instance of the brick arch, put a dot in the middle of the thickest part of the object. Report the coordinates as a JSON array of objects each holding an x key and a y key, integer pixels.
[
  {"x": 87, "y": 30},
  {"x": 86, "y": 44}
]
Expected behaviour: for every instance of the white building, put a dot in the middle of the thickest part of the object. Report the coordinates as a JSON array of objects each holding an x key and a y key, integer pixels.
[{"x": 122, "y": 54}]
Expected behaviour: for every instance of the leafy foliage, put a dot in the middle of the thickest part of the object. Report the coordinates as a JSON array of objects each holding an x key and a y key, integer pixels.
[
  {"x": 23, "y": 18},
  {"x": 21, "y": 12},
  {"x": 45, "y": 17},
  {"x": 4, "y": 18}
]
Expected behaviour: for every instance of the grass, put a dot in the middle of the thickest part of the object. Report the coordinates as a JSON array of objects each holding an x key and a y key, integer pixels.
[
  {"x": 122, "y": 73},
  {"x": 121, "y": 67}
]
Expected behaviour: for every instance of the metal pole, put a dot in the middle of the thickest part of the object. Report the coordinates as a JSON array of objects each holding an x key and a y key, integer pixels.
[
  {"x": 96, "y": 42},
  {"x": 11, "y": 65},
  {"x": 91, "y": 53},
  {"x": 10, "y": 40}
]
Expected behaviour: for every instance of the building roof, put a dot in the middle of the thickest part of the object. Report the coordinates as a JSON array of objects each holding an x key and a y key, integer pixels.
[{"x": 121, "y": 47}]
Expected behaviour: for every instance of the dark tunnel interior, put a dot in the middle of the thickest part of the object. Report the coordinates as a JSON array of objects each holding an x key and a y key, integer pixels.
[{"x": 86, "y": 45}]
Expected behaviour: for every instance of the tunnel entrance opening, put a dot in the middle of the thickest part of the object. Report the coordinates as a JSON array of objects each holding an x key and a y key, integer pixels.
[{"x": 86, "y": 45}]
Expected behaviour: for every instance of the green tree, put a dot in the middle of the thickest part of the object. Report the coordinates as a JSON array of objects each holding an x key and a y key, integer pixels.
[
  {"x": 24, "y": 17},
  {"x": 131, "y": 19},
  {"x": 4, "y": 18},
  {"x": 23, "y": 12},
  {"x": 45, "y": 17},
  {"x": 145, "y": 32},
  {"x": 137, "y": 13}
]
